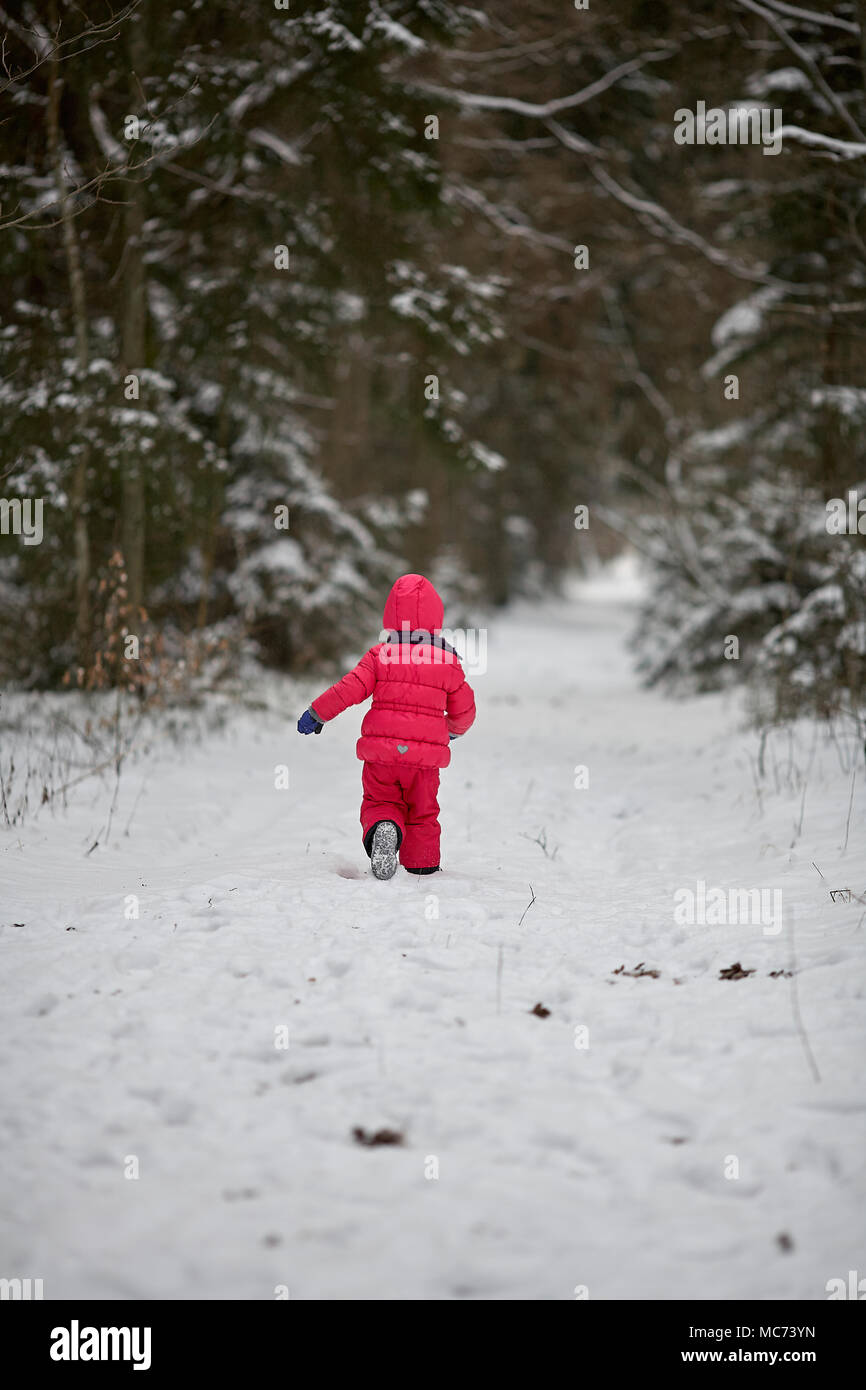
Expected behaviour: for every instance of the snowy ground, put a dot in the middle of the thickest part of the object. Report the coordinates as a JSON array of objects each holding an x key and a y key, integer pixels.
[{"x": 407, "y": 1004}]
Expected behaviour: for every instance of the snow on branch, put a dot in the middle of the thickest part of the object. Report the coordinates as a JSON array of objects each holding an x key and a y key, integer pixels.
[
  {"x": 659, "y": 219},
  {"x": 845, "y": 149},
  {"x": 480, "y": 101},
  {"x": 808, "y": 63},
  {"x": 260, "y": 92},
  {"x": 474, "y": 198},
  {"x": 281, "y": 148},
  {"x": 812, "y": 17}
]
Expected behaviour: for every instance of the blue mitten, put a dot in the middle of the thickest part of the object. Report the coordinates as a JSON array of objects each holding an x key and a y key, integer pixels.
[{"x": 309, "y": 724}]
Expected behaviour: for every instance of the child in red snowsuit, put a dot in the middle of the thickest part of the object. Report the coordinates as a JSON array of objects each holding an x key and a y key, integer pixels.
[{"x": 421, "y": 700}]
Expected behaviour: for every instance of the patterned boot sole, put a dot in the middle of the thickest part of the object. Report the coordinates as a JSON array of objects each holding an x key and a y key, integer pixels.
[{"x": 383, "y": 852}]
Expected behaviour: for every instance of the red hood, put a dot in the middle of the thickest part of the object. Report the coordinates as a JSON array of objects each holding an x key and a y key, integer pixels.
[{"x": 414, "y": 601}]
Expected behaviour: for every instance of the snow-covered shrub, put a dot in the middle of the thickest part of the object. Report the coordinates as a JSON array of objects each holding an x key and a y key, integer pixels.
[{"x": 751, "y": 583}]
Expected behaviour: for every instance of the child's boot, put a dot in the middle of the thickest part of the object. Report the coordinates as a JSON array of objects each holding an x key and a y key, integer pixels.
[{"x": 383, "y": 850}]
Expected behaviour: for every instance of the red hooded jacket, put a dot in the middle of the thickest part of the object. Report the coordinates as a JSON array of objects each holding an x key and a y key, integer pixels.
[{"x": 420, "y": 694}]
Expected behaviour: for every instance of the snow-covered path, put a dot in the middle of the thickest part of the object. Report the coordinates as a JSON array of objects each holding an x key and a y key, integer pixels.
[{"x": 601, "y": 1159}]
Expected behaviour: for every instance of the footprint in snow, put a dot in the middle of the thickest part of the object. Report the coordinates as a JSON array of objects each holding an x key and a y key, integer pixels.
[
  {"x": 136, "y": 959},
  {"x": 175, "y": 1110},
  {"x": 42, "y": 1005},
  {"x": 211, "y": 924},
  {"x": 713, "y": 1180},
  {"x": 297, "y": 1077}
]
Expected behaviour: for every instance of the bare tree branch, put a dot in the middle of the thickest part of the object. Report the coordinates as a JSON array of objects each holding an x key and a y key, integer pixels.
[
  {"x": 39, "y": 40},
  {"x": 808, "y": 63},
  {"x": 658, "y": 218},
  {"x": 811, "y": 17},
  {"x": 480, "y": 101}
]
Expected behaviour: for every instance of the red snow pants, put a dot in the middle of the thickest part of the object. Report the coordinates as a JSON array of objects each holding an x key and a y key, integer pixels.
[{"x": 407, "y": 796}]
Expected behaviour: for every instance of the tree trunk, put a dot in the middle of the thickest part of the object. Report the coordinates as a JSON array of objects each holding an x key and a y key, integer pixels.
[
  {"x": 75, "y": 273},
  {"x": 216, "y": 491},
  {"x": 346, "y": 450},
  {"x": 133, "y": 309}
]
